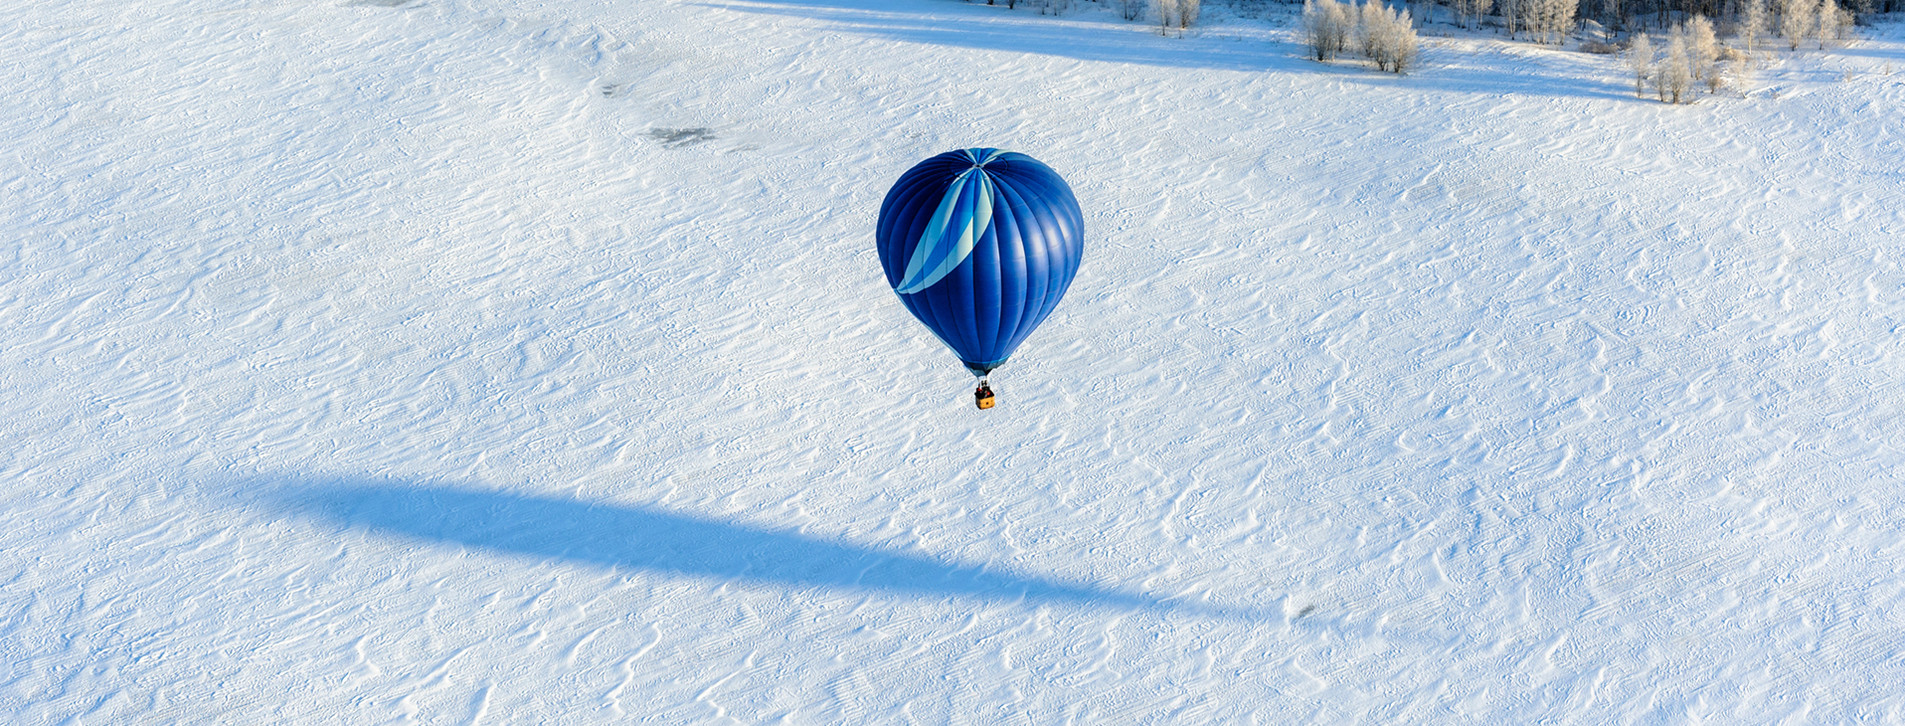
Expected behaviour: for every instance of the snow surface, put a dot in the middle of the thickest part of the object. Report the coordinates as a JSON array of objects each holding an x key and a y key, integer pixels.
[{"x": 504, "y": 361}]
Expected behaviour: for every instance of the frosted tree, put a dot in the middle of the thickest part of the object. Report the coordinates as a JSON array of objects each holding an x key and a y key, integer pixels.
[
  {"x": 1562, "y": 16},
  {"x": 1796, "y": 21},
  {"x": 1387, "y": 37},
  {"x": 1370, "y": 28},
  {"x": 1384, "y": 35},
  {"x": 1403, "y": 53},
  {"x": 1342, "y": 18},
  {"x": 1549, "y": 21},
  {"x": 1832, "y": 23},
  {"x": 1703, "y": 50},
  {"x": 1316, "y": 30},
  {"x": 1402, "y": 44},
  {"x": 1823, "y": 22},
  {"x": 1752, "y": 23},
  {"x": 1673, "y": 77},
  {"x": 1187, "y": 12},
  {"x": 1167, "y": 14},
  {"x": 1557, "y": 19},
  {"x": 1328, "y": 23},
  {"x": 1131, "y": 9},
  {"x": 1640, "y": 57},
  {"x": 1740, "y": 71},
  {"x": 1534, "y": 14}
]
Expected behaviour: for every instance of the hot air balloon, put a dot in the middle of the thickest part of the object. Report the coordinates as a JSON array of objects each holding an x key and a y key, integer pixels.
[{"x": 980, "y": 244}]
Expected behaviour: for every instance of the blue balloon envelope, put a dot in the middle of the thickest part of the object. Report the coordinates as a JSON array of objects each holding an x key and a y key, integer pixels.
[{"x": 980, "y": 244}]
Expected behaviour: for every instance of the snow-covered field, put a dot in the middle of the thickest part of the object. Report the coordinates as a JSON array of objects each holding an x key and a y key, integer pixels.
[{"x": 506, "y": 361}]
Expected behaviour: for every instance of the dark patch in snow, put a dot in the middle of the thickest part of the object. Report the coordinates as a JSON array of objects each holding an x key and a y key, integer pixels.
[{"x": 677, "y": 138}]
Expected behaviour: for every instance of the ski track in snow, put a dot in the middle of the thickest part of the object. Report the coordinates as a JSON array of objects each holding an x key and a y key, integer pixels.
[{"x": 487, "y": 361}]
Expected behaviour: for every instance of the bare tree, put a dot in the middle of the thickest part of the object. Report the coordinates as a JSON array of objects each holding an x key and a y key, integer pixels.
[
  {"x": 1469, "y": 13},
  {"x": 1511, "y": 14},
  {"x": 1615, "y": 12}
]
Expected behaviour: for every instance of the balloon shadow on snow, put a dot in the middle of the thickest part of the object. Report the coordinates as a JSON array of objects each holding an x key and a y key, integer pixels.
[{"x": 653, "y": 540}]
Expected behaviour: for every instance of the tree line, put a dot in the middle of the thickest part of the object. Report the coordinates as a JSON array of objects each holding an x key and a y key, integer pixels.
[{"x": 1539, "y": 20}]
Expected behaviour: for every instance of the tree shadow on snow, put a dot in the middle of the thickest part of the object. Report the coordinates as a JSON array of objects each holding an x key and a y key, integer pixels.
[
  {"x": 1867, "y": 50},
  {"x": 1099, "y": 37},
  {"x": 654, "y": 540},
  {"x": 1089, "y": 37}
]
